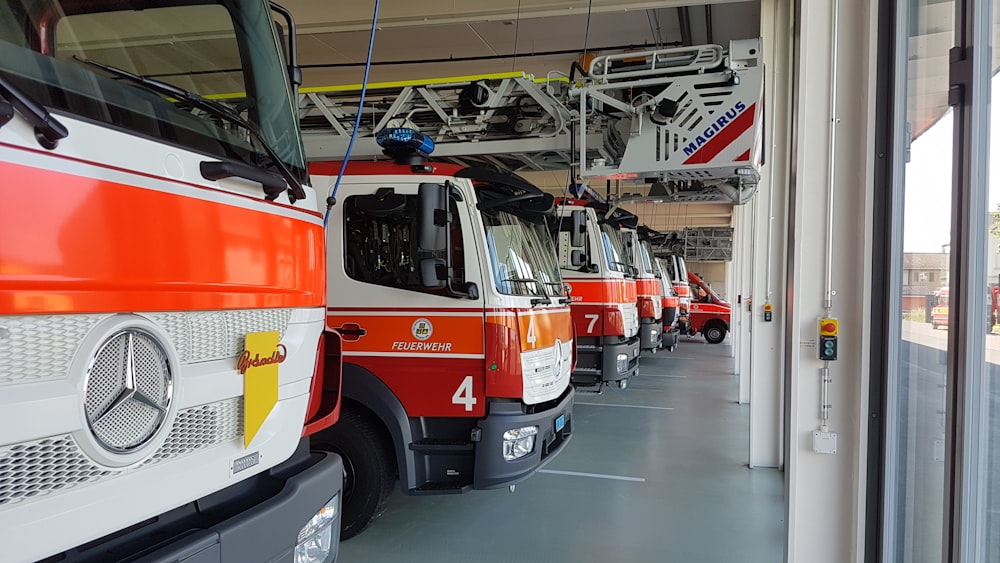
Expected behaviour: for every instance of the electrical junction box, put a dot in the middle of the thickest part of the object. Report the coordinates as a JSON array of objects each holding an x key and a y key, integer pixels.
[
  {"x": 824, "y": 442},
  {"x": 768, "y": 309},
  {"x": 828, "y": 331}
]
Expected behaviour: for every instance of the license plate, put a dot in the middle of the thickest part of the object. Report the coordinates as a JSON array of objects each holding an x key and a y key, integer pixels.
[{"x": 560, "y": 422}]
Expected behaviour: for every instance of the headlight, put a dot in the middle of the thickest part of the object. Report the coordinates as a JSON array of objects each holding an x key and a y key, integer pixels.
[
  {"x": 622, "y": 361},
  {"x": 316, "y": 537},
  {"x": 519, "y": 442}
]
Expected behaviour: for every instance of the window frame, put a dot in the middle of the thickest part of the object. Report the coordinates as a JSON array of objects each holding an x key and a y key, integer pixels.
[
  {"x": 457, "y": 247},
  {"x": 963, "y": 525}
]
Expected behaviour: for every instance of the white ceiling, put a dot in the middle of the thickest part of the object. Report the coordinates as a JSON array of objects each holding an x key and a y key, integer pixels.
[
  {"x": 432, "y": 38},
  {"x": 496, "y": 35}
]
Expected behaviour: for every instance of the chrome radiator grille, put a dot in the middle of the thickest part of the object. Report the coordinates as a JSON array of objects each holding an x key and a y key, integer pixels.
[
  {"x": 41, "y": 467},
  {"x": 40, "y": 348},
  {"x": 202, "y": 427}
]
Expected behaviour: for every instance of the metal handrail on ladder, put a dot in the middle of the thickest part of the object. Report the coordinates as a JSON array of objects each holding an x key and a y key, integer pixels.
[{"x": 676, "y": 60}]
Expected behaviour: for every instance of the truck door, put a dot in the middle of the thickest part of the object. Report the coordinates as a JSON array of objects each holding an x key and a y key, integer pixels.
[{"x": 408, "y": 297}]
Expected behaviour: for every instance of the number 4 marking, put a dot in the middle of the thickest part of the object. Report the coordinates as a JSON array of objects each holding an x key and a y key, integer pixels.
[
  {"x": 463, "y": 395},
  {"x": 531, "y": 332},
  {"x": 593, "y": 321}
]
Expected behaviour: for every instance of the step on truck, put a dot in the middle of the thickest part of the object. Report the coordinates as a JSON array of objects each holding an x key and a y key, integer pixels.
[
  {"x": 603, "y": 290},
  {"x": 162, "y": 290},
  {"x": 649, "y": 300},
  {"x": 458, "y": 338},
  {"x": 710, "y": 314}
]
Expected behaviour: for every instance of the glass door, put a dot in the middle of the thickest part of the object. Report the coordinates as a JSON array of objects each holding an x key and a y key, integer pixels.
[{"x": 917, "y": 384}]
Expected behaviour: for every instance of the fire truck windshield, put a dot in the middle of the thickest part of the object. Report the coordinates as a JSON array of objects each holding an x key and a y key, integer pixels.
[
  {"x": 522, "y": 256},
  {"x": 226, "y": 53},
  {"x": 614, "y": 251},
  {"x": 645, "y": 265},
  {"x": 666, "y": 285}
]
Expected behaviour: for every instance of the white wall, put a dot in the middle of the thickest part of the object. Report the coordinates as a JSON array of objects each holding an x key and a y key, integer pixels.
[
  {"x": 768, "y": 217},
  {"x": 714, "y": 274},
  {"x": 825, "y": 492}
]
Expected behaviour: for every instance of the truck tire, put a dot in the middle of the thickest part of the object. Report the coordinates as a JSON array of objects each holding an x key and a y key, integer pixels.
[
  {"x": 714, "y": 331},
  {"x": 368, "y": 466}
]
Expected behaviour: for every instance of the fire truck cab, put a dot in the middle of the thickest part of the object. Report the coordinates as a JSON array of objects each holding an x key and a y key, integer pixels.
[
  {"x": 671, "y": 307},
  {"x": 162, "y": 290},
  {"x": 603, "y": 289},
  {"x": 677, "y": 273},
  {"x": 458, "y": 334},
  {"x": 649, "y": 297},
  {"x": 710, "y": 314}
]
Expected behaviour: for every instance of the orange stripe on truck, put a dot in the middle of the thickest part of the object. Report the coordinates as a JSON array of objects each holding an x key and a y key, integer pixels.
[
  {"x": 409, "y": 334},
  {"x": 75, "y": 244},
  {"x": 602, "y": 290},
  {"x": 537, "y": 329},
  {"x": 649, "y": 287}
]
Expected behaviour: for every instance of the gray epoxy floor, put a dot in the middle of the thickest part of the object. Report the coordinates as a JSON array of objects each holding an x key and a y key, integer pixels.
[{"x": 672, "y": 485}]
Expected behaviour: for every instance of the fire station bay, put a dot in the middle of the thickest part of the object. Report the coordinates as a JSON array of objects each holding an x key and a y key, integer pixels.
[{"x": 555, "y": 281}]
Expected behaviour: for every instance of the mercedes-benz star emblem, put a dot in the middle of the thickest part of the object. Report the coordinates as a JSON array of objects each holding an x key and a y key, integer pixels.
[{"x": 129, "y": 389}]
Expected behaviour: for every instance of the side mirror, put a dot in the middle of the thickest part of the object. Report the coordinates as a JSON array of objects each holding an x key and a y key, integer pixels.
[
  {"x": 472, "y": 290},
  {"x": 579, "y": 228},
  {"x": 578, "y": 258},
  {"x": 433, "y": 217},
  {"x": 292, "y": 50},
  {"x": 433, "y": 273}
]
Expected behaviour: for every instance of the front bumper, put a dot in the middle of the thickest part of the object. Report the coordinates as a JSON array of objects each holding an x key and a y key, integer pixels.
[
  {"x": 669, "y": 338},
  {"x": 491, "y": 469},
  {"x": 257, "y": 519},
  {"x": 649, "y": 334}
]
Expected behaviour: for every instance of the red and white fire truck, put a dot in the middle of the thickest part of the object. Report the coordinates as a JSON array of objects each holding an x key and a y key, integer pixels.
[
  {"x": 458, "y": 338},
  {"x": 162, "y": 290},
  {"x": 671, "y": 307},
  {"x": 649, "y": 298},
  {"x": 710, "y": 314},
  {"x": 603, "y": 289},
  {"x": 676, "y": 270}
]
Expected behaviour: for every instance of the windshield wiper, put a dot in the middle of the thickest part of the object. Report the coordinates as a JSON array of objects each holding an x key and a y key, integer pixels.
[
  {"x": 222, "y": 112},
  {"x": 563, "y": 299},
  {"x": 534, "y": 300},
  {"x": 48, "y": 130},
  {"x": 626, "y": 268}
]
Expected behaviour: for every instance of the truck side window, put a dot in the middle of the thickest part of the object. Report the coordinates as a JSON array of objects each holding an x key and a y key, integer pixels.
[
  {"x": 566, "y": 226},
  {"x": 381, "y": 245}
]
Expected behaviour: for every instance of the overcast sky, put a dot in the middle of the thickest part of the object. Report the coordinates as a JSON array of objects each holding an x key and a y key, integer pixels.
[{"x": 927, "y": 219}]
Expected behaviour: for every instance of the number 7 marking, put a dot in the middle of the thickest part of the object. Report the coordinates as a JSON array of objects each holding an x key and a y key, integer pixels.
[{"x": 593, "y": 321}]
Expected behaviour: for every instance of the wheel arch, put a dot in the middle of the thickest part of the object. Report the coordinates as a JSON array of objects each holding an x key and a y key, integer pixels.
[{"x": 362, "y": 389}]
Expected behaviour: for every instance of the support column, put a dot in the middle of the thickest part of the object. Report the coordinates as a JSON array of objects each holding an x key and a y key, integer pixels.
[
  {"x": 768, "y": 280},
  {"x": 825, "y": 491},
  {"x": 742, "y": 317}
]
